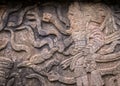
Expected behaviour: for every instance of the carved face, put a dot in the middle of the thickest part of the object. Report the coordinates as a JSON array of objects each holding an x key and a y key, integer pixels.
[
  {"x": 94, "y": 13},
  {"x": 81, "y": 15},
  {"x": 75, "y": 16},
  {"x": 101, "y": 13}
]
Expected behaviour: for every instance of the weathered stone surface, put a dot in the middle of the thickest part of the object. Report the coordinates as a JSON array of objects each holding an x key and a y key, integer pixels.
[{"x": 56, "y": 44}]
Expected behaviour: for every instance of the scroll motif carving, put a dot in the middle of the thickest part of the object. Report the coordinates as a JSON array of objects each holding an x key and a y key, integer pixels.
[{"x": 55, "y": 44}]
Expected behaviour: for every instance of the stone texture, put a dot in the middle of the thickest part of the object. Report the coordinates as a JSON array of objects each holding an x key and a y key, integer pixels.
[{"x": 56, "y": 44}]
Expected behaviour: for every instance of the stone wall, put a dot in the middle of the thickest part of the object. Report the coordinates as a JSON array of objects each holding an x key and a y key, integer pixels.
[{"x": 59, "y": 44}]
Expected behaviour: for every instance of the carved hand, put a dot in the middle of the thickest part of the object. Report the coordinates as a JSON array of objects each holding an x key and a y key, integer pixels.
[{"x": 64, "y": 64}]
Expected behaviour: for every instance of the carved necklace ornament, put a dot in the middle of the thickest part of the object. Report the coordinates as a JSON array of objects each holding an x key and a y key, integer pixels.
[{"x": 55, "y": 44}]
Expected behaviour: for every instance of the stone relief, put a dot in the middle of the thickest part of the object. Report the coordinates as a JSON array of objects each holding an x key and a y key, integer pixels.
[{"x": 56, "y": 44}]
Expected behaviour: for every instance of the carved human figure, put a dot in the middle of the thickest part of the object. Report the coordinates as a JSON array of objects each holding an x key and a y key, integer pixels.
[{"x": 88, "y": 39}]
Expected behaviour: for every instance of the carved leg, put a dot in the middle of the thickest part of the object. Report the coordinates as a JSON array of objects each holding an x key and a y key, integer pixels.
[
  {"x": 85, "y": 80},
  {"x": 96, "y": 78},
  {"x": 82, "y": 81},
  {"x": 79, "y": 81}
]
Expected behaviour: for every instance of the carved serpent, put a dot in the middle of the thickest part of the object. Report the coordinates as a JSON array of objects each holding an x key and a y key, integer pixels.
[
  {"x": 47, "y": 30},
  {"x": 3, "y": 43},
  {"x": 19, "y": 47},
  {"x": 6, "y": 15},
  {"x": 38, "y": 77},
  {"x": 38, "y": 43},
  {"x": 21, "y": 16}
]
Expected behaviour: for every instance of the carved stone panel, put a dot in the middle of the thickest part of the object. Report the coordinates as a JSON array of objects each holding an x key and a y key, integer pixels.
[{"x": 60, "y": 44}]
